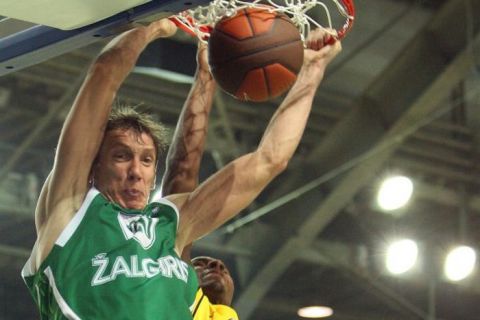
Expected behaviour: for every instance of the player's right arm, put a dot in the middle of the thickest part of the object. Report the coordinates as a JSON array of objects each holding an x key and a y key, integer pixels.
[
  {"x": 233, "y": 187},
  {"x": 83, "y": 130}
]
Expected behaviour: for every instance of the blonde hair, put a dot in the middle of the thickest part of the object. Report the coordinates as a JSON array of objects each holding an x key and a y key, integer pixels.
[{"x": 126, "y": 117}]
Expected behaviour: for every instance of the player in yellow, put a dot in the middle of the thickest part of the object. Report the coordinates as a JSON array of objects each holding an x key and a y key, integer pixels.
[{"x": 215, "y": 295}]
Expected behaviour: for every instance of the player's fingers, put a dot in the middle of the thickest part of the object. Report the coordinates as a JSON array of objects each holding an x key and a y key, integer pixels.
[
  {"x": 313, "y": 39},
  {"x": 320, "y": 37},
  {"x": 328, "y": 52}
]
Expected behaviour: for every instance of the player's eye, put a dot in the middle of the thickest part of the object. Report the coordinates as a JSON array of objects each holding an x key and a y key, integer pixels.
[
  {"x": 199, "y": 264},
  {"x": 120, "y": 155},
  {"x": 148, "y": 160}
]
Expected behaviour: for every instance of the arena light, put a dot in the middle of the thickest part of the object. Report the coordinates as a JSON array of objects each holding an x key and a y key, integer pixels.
[
  {"x": 315, "y": 312},
  {"x": 401, "y": 256},
  {"x": 394, "y": 193},
  {"x": 460, "y": 263}
]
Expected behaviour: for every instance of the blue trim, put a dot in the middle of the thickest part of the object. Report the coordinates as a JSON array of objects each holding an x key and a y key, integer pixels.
[{"x": 40, "y": 43}]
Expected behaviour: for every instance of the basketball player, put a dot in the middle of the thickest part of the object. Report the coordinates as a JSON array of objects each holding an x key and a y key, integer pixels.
[
  {"x": 102, "y": 251},
  {"x": 215, "y": 294}
]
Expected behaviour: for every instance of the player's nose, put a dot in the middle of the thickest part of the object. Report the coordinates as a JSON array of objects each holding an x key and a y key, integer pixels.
[
  {"x": 134, "y": 169},
  {"x": 216, "y": 264}
]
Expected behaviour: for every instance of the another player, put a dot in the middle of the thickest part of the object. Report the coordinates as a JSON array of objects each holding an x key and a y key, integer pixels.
[
  {"x": 214, "y": 298},
  {"x": 102, "y": 251}
]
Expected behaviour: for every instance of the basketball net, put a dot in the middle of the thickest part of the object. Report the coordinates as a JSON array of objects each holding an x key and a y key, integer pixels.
[{"x": 200, "y": 21}]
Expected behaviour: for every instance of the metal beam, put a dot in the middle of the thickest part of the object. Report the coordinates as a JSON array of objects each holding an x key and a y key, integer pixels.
[
  {"x": 221, "y": 106},
  {"x": 41, "y": 125},
  {"x": 14, "y": 252}
]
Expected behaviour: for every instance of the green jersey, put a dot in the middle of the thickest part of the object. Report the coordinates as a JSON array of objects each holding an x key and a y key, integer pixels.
[{"x": 115, "y": 263}]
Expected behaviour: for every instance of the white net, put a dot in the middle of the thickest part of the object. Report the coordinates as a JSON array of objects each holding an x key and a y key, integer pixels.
[{"x": 197, "y": 19}]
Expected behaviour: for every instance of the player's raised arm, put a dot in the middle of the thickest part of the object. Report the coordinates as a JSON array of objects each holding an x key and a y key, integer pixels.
[
  {"x": 83, "y": 130},
  {"x": 235, "y": 186},
  {"x": 186, "y": 150}
]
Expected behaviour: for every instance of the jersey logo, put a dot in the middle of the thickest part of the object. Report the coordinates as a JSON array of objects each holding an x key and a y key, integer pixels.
[{"x": 138, "y": 227}]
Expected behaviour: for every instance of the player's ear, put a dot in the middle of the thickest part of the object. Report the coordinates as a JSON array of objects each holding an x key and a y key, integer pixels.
[
  {"x": 91, "y": 179},
  {"x": 91, "y": 175}
]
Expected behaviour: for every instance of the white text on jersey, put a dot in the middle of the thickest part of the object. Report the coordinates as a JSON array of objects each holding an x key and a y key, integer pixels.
[{"x": 107, "y": 271}]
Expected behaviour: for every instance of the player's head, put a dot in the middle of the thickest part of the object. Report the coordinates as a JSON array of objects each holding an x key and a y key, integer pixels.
[
  {"x": 123, "y": 117},
  {"x": 214, "y": 279},
  {"x": 125, "y": 167}
]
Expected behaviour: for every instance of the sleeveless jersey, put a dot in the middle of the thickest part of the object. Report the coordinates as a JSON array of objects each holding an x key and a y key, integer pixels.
[
  {"x": 115, "y": 263},
  {"x": 204, "y": 310}
]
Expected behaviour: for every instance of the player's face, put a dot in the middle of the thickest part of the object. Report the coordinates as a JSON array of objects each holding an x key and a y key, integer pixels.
[
  {"x": 125, "y": 168},
  {"x": 214, "y": 279}
]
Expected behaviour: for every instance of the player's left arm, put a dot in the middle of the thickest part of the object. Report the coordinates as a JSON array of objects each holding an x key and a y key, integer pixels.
[
  {"x": 186, "y": 150},
  {"x": 232, "y": 188}
]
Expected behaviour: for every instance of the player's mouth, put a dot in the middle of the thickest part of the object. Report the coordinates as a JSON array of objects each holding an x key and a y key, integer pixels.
[{"x": 132, "y": 193}]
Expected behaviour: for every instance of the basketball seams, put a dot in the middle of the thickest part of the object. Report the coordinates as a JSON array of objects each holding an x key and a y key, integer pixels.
[
  {"x": 267, "y": 83},
  {"x": 256, "y": 41},
  {"x": 259, "y": 50},
  {"x": 277, "y": 20},
  {"x": 279, "y": 78},
  {"x": 267, "y": 63},
  {"x": 250, "y": 24}
]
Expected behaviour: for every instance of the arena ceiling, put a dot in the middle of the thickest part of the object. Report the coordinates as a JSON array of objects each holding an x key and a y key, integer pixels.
[{"x": 401, "y": 98}]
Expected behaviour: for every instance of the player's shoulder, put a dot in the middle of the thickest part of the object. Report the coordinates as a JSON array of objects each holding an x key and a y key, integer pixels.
[
  {"x": 178, "y": 199},
  {"x": 215, "y": 311}
]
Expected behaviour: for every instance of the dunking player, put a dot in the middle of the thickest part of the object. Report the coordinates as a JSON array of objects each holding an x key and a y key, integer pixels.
[
  {"x": 215, "y": 294},
  {"x": 102, "y": 251}
]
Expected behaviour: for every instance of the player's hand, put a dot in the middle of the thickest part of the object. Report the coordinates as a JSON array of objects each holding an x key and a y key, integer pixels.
[
  {"x": 163, "y": 28},
  {"x": 321, "y": 48}
]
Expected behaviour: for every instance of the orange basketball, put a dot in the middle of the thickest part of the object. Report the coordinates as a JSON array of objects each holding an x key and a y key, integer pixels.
[{"x": 256, "y": 54}]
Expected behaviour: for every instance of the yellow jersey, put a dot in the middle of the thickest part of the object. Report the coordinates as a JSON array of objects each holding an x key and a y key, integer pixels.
[{"x": 203, "y": 309}]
